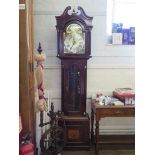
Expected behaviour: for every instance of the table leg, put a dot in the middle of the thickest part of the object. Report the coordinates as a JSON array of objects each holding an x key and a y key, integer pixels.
[
  {"x": 92, "y": 126},
  {"x": 96, "y": 137}
]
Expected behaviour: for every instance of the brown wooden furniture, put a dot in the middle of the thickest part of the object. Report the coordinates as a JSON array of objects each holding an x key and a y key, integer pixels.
[
  {"x": 106, "y": 111},
  {"x": 77, "y": 133},
  {"x": 74, "y": 49},
  {"x": 26, "y": 72}
]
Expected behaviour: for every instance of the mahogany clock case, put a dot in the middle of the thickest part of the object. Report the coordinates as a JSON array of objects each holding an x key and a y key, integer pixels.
[{"x": 74, "y": 49}]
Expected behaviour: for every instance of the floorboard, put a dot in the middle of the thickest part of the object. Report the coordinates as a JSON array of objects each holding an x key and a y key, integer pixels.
[{"x": 121, "y": 149}]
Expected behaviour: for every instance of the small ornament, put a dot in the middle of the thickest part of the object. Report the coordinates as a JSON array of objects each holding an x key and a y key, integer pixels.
[{"x": 39, "y": 48}]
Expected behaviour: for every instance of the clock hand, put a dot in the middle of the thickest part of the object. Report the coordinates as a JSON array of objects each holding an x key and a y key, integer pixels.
[{"x": 73, "y": 43}]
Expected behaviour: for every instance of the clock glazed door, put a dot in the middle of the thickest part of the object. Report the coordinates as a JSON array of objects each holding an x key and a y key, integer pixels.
[{"x": 74, "y": 87}]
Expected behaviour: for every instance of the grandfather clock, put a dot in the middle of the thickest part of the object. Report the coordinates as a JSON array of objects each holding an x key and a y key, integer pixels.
[{"x": 74, "y": 49}]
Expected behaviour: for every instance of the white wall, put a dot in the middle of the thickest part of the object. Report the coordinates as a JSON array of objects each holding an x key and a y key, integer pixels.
[{"x": 110, "y": 67}]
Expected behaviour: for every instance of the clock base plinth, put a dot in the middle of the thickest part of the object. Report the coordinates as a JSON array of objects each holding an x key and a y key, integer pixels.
[{"x": 77, "y": 133}]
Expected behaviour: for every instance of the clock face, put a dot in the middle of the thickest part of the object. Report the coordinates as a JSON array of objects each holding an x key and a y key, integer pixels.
[{"x": 74, "y": 40}]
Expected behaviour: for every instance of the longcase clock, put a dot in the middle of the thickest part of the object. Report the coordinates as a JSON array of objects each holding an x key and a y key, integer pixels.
[{"x": 74, "y": 49}]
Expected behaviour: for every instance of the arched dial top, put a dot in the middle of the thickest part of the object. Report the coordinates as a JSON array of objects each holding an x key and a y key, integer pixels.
[{"x": 74, "y": 39}]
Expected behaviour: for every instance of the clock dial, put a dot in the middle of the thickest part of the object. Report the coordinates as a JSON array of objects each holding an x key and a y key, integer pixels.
[{"x": 74, "y": 39}]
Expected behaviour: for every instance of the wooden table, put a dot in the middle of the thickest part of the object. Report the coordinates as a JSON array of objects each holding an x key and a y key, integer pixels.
[{"x": 106, "y": 111}]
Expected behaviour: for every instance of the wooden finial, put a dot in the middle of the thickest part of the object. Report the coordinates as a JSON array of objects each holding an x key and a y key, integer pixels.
[{"x": 39, "y": 48}]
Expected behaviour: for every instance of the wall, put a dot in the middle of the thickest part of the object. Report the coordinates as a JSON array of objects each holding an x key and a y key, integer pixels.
[{"x": 110, "y": 67}]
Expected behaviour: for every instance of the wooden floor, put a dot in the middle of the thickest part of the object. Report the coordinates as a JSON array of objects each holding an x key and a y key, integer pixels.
[
  {"x": 101, "y": 152},
  {"x": 106, "y": 150}
]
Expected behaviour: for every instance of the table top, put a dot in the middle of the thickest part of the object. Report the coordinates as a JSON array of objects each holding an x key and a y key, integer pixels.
[{"x": 96, "y": 104}]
